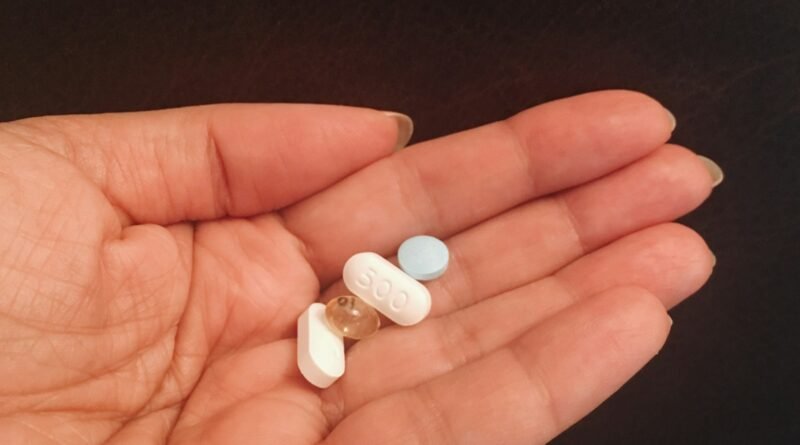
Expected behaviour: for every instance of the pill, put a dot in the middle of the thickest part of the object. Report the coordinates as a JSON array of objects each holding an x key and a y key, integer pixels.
[
  {"x": 320, "y": 351},
  {"x": 388, "y": 289},
  {"x": 423, "y": 257},
  {"x": 350, "y": 317}
]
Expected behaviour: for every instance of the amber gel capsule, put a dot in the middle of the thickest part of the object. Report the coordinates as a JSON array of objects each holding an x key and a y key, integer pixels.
[{"x": 351, "y": 317}]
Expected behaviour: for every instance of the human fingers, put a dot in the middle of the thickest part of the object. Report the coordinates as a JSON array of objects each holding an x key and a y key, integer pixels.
[
  {"x": 446, "y": 185},
  {"x": 669, "y": 260},
  {"x": 536, "y": 239},
  {"x": 528, "y": 391}
]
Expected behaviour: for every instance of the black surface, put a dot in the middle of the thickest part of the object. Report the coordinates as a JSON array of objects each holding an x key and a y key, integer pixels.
[{"x": 728, "y": 70}]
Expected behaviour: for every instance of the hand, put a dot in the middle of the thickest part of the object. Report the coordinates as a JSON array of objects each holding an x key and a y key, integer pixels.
[{"x": 153, "y": 265}]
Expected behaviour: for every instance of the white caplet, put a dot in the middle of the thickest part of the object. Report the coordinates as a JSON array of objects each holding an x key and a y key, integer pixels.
[
  {"x": 388, "y": 289},
  {"x": 320, "y": 351}
]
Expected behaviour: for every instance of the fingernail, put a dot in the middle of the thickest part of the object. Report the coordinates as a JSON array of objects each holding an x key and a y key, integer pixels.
[
  {"x": 671, "y": 322},
  {"x": 671, "y": 119},
  {"x": 405, "y": 128},
  {"x": 713, "y": 260},
  {"x": 714, "y": 170}
]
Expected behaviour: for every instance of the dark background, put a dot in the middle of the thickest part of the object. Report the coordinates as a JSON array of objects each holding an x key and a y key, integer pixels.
[{"x": 728, "y": 70}]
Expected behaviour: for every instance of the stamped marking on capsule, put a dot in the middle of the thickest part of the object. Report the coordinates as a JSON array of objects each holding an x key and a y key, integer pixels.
[
  {"x": 365, "y": 279},
  {"x": 400, "y": 301},
  {"x": 382, "y": 289}
]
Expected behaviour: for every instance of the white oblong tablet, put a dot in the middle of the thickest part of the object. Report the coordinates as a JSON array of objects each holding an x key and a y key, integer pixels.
[
  {"x": 388, "y": 289},
  {"x": 320, "y": 351}
]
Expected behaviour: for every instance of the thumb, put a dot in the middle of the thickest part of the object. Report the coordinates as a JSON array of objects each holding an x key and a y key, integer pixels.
[{"x": 211, "y": 161}]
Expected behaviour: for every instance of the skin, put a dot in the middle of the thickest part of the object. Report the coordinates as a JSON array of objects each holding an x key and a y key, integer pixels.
[{"x": 153, "y": 265}]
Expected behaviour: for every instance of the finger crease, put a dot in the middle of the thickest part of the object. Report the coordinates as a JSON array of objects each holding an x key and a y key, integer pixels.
[
  {"x": 410, "y": 198},
  {"x": 572, "y": 221},
  {"x": 464, "y": 344},
  {"x": 218, "y": 173},
  {"x": 569, "y": 292},
  {"x": 457, "y": 263},
  {"x": 537, "y": 382},
  {"x": 520, "y": 148},
  {"x": 432, "y": 412},
  {"x": 305, "y": 249}
]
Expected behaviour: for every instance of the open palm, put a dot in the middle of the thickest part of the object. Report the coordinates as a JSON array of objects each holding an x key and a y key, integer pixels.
[{"x": 153, "y": 265}]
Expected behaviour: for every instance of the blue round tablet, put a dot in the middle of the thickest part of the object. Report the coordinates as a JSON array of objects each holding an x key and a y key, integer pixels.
[{"x": 423, "y": 257}]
